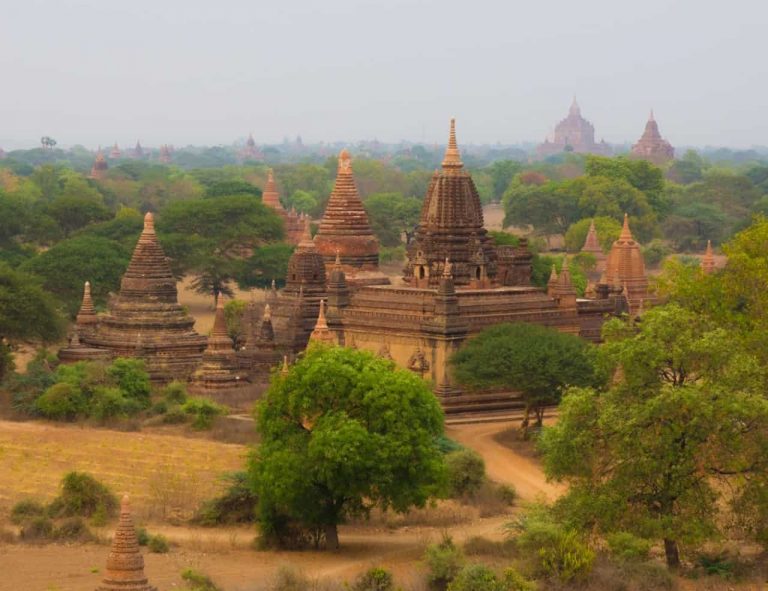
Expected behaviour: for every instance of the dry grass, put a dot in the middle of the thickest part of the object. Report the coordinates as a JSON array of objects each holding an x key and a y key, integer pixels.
[
  {"x": 441, "y": 514},
  {"x": 166, "y": 476}
]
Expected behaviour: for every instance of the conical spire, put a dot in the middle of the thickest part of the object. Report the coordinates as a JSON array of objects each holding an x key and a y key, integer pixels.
[
  {"x": 284, "y": 370},
  {"x": 708, "y": 261},
  {"x": 87, "y": 313},
  {"x": 321, "y": 332},
  {"x": 574, "y": 109},
  {"x": 219, "y": 339},
  {"x": 626, "y": 233},
  {"x": 592, "y": 244},
  {"x": 553, "y": 274},
  {"x": 100, "y": 166},
  {"x": 125, "y": 564},
  {"x": 306, "y": 236},
  {"x": 269, "y": 196},
  {"x": 452, "y": 157},
  {"x": 148, "y": 272},
  {"x": 266, "y": 330},
  {"x": 651, "y": 117}
]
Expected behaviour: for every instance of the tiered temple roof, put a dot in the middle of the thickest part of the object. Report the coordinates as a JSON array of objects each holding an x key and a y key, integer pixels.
[
  {"x": 219, "y": 369},
  {"x": 345, "y": 229},
  {"x": 574, "y": 133},
  {"x": 138, "y": 151},
  {"x": 625, "y": 268},
  {"x": 125, "y": 564},
  {"x": 145, "y": 318},
  {"x": 651, "y": 146},
  {"x": 86, "y": 316},
  {"x": 451, "y": 227},
  {"x": 100, "y": 166}
]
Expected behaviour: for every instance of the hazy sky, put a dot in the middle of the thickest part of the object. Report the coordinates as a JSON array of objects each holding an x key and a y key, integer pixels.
[{"x": 187, "y": 71}]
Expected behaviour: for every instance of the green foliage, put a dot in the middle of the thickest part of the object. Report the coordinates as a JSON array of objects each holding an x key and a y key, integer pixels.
[
  {"x": 26, "y": 388},
  {"x": 142, "y": 536},
  {"x": 175, "y": 392},
  {"x": 158, "y": 544},
  {"x": 36, "y": 529},
  {"x": 374, "y": 579},
  {"x": 447, "y": 445},
  {"x": 62, "y": 402},
  {"x": 342, "y": 432},
  {"x": 607, "y": 228},
  {"x": 233, "y": 314},
  {"x": 578, "y": 265},
  {"x": 72, "y": 529},
  {"x": 655, "y": 252},
  {"x": 109, "y": 403},
  {"x": 502, "y": 172},
  {"x": 392, "y": 215},
  {"x": 203, "y": 412},
  {"x": 392, "y": 254},
  {"x": 717, "y": 564},
  {"x": 197, "y": 581},
  {"x": 626, "y": 546},
  {"x": 131, "y": 378},
  {"x": 514, "y": 581},
  {"x": 26, "y": 510},
  {"x": 236, "y": 505},
  {"x": 444, "y": 561},
  {"x": 539, "y": 362},
  {"x": 267, "y": 263},
  {"x": 475, "y": 577},
  {"x": 466, "y": 472},
  {"x": 81, "y": 496},
  {"x": 679, "y": 436}
]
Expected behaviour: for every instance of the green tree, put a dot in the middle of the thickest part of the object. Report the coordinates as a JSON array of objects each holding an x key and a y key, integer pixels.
[
  {"x": 393, "y": 216},
  {"x": 267, "y": 263},
  {"x": 537, "y": 361},
  {"x": 27, "y": 313},
  {"x": 342, "y": 432},
  {"x": 502, "y": 172},
  {"x": 641, "y": 174},
  {"x": 680, "y": 435},
  {"x": 607, "y": 228}
]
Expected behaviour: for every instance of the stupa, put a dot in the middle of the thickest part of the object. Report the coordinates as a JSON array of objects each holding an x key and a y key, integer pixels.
[
  {"x": 625, "y": 269},
  {"x": 145, "y": 319},
  {"x": 165, "y": 154},
  {"x": 251, "y": 151},
  {"x": 138, "y": 151},
  {"x": 125, "y": 564},
  {"x": 573, "y": 134},
  {"x": 115, "y": 153},
  {"x": 321, "y": 333},
  {"x": 219, "y": 369},
  {"x": 100, "y": 166},
  {"x": 592, "y": 247},
  {"x": 269, "y": 196},
  {"x": 345, "y": 230},
  {"x": 651, "y": 146},
  {"x": 451, "y": 228},
  {"x": 708, "y": 260}
]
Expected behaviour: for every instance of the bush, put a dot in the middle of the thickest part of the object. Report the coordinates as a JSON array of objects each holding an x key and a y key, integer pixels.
[
  {"x": 175, "y": 392},
  {"x": 236, "y": 505},
  {"x": 159, "y": 408},
  {"x": 391, "y": 254},
  {"x": 446, "y": 445},
  {"x": 466, "y": 472},
  {"x": 444, "y": 561},
  {"x": 82, "y": 495},
  {"x": 61, "y": 402},
  {"x": 475, "y": 577},
  {"x": 175, "y": 416},
  {"x": 131, "y": 377},
  {"x": 197, "y": 581},
  {"x": 203, "y": 411},
  {"x": 142, "y": 536},
  {"x": 625, "y": 546},
  {"x": 25, "y": 510},
  {"x": 507, "y": 493},
  {"x": 109, "y": 403},
  {"x": 37, "y": 528},
  {"x": 655, "y": 252},
  {"x": 375, "y": 579},
  {"x": 158, "y": 544},
  {"x": 289, "y": 579},
  {"x": 73, "y": 529},
  {"x": 514, "y": 581}
]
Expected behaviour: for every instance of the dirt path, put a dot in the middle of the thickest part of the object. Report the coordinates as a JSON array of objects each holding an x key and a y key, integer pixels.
[{"x": 504, "y": 465}]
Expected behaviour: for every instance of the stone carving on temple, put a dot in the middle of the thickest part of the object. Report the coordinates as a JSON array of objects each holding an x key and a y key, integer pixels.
[
  {"x": 651, "y": 146},
  {"x": 125, "y": 564},
  {"x": 573, "y": 134},
  {"x": 418, "y": 362}
]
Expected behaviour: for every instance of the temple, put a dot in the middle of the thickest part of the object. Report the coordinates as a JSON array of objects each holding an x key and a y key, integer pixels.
[
  {"x": 138, "y": 151},
  {"x": 651, "y": 146},
  {"x": 345, "y": 232},
  {"x": 625, "y": 271},
  {"x": 145, "y": 319},
  {"x": 115, "y": 152},
  {"x": 294, "y": 223},
  {"x": 100, "y": 167},
  {"x": 708, "y": 260},
  {"x": 165, "y": 154},
  {"x": 125, "y": 564},
  {"x": 573, "y": 134},
  {"x": 251, "y": 151},
  {"x": 592, "y": 247}
]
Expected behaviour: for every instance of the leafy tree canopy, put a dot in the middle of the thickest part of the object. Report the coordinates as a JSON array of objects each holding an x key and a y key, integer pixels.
[{"x": 392, "y": 215}]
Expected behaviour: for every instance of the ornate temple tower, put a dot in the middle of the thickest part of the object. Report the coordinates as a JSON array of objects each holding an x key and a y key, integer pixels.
[
  {"x": 145, "y": 319},
  {"x": 651, "y": 146},
  {"x": 625, "y": 269},
  {"x": 346, "y": 231},
  {"x": 270, "y": 197},
  {"x": 125, "y": 564},
  {"x": 574, "y": 134},
  {"x": 321, "y": 333},
  {"x": 451, "y": 228},
  {"x": 294, "y": 224},
  {"x": 251, "y": 151},
  {"x": 100, "y": 166}
]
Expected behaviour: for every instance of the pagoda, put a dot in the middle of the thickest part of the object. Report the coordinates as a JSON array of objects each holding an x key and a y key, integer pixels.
[
  {"x": 219, "y": 369},
  {"x": 138, "y": 151},
  {"x": 651, "y": 146},
  {"x": 165, "y": 154},
  {"x": 251, "y": 151},
  {"x": 345, "y": 230},
  {"x": 145, "y": 318},
  {"x": 100, "y": 167},
  {"x": 321, "y": 333},
  {"x": 573, "y": 134},
  {"x": 294, "y": 224},
  {"x": 592, "y": 247},
  {"x": 625, "y": 269},
  {"x": 451, "y": 228},
  {"x": 270, "y": 197},
  {"x": 708, "y": 260},
  {"x": 115, "y": 153},
  {"x": 125, "y": 564}
]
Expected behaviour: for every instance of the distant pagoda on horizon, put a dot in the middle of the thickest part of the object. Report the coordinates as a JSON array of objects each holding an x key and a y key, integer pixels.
[
  {"x": 100, "y": 167},
  {"x": 573, "y": 134},
  {"x": 651, "y": 146},
  {"x": 251, "y": 151}
]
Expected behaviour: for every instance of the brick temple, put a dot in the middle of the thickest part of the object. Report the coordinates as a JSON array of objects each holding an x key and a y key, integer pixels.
[
  {"x": 573, "y": 134},
  {"x": 651, "y": 146}
]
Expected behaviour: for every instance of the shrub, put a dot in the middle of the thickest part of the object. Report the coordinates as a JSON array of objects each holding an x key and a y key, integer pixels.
[
  {"x": 197, "y": 581},
  {"x": 175, "y": 416},
  {"x": 131, "y": 377},
  {"x": 475, "y": 577},
  {"x": 655, "y": 252},
  {"x": 444, "y": 561},
  {"x": 159, "y": 408},
  {"x": 392, "y": 254},
  {"x": 83, "y": 495},
  {"x": 73, "y": 529},
  {"x": 507, "y": 493},
  {"x": 142, "y": 536},
  {"x": 374, "y": 579},
  {"x": 514, "y": 581},
  {"x": 61, "y": 402},
  {"x": 37, "y": 528},
  {"x": 446, "y": 445},
  {"x": 289, "y": 579},
  {"x": 203, "y": 411},
  {"x": 175, "y": 392},
  {"x": 25, "y": 510},
  {"x": 466, "y": 472},
  {"x": 108, "y": 403},
  {"x": 625, "y": 546},
  {"x": 158, "y": 544},
  {"x": 236, "y": 505},
  {"x": 99, "y": 518}
]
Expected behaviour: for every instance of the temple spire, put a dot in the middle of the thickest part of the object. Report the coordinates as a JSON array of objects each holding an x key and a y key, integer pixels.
[
  {"x": 306, "y": 236},
  {"x": 321, "y": 332},
  {"x": 452, "y": 157},
  {"x": 626, "y": 233},
  {"x": 575, "y": 109},
  {"x": 125, "y": 564},
  {"x": 708, "y": 262},
  {"x": 651, "y": 117},
  {"x": 87, "y": 312}
]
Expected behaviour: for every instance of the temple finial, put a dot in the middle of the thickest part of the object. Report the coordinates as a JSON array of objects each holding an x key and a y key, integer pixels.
[
  {"x": 149, "y": 222},
  {"x": 267, "y": 312},
  {"x": 452, "y": 157},
  {"x": 651, "y": 118},
  {"x": 306, "y": 235},
  {"x": 345, "y": 161},
  {"x": 626, "y": 233}
]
